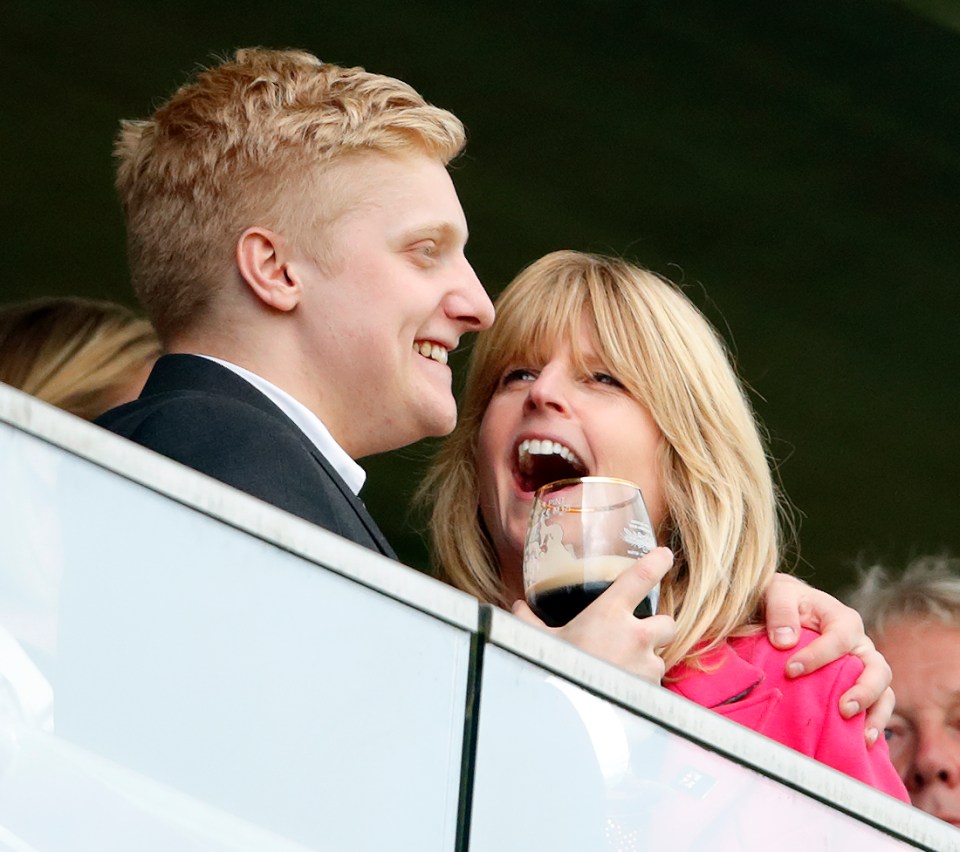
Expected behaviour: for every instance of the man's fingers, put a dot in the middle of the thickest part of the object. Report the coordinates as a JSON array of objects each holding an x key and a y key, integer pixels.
[
  {"x": 821, "y": 651},
  {"x": 782, "y": 601},
  {"x": 878, "y": 716},
  {"x": 870, "y": 687},
  {"x": 790, "y": 604},
  {"x": 872, "y": 690}
]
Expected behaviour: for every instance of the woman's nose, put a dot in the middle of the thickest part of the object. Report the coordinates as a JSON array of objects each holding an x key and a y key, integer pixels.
[{"x": 549, "y": 391}]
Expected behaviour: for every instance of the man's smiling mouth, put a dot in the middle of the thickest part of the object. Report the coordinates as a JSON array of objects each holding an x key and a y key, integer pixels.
[{"x": 435, "y": 351}]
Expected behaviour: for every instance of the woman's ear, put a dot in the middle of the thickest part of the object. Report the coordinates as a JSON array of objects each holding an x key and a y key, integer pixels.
[{"x": 262, "y": 264}]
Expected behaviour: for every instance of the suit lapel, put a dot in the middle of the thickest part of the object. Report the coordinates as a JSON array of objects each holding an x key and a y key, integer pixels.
[
  {"x": 356, "y": 503},
  {"x": 191, "y": 372}
]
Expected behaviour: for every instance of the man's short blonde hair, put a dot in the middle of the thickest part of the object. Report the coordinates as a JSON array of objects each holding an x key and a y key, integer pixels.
[{"x": 245, "y": 144}]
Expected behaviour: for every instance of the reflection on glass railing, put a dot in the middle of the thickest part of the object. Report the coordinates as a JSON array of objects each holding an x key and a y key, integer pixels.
[
  {"x": 146, "y": 647},
  {"x": 54, "y": 795},
  {"x": 559, "y": 768},
  {"x": 184, "y": 668},
  {"x": 32, "y": 564}
]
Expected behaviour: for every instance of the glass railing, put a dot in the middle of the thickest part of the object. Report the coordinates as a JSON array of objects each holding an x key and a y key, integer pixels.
[{"x": 183, "y": 667}]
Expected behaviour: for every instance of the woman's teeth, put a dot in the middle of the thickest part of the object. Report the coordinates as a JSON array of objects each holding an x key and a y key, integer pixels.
[
  {"x": 430, "y": 350},
  {"x": 536, "y": 447}
]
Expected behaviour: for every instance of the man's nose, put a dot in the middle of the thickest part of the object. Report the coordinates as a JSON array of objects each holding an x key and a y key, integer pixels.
[
  {"x": 937, "y": 760},
  {"x": 469, "y": 303}
]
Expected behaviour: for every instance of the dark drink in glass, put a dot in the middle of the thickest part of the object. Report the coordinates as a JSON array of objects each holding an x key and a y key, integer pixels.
[{"x": 583, "y": 534}]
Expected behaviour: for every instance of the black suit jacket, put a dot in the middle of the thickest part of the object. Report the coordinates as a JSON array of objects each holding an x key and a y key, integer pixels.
[{"x": 201, "y": 414}]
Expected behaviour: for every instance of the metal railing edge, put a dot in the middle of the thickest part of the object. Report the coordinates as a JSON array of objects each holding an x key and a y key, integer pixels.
[{"x": 237, "y": 509}]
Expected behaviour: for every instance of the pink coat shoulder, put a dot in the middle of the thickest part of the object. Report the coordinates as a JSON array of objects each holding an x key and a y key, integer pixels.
[{"x": 747, "y": 683}]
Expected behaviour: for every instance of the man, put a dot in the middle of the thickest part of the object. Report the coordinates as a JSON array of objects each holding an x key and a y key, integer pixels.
[
  {"x": 915, "y": 621},
  {"x": 296, "y": 240},
  {"x": 298, "y": 244}
]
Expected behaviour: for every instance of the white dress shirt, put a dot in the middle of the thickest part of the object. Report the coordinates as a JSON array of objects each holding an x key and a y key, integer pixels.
[{"x": 308, "y": 422}]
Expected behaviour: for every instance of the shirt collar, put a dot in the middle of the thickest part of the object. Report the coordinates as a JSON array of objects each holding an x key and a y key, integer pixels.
[{"x": 307, "y": 421}]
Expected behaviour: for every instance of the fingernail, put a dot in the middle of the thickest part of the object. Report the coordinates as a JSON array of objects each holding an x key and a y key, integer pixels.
[
  {"x": 851, "y": 708},
  {"x": 794, "y": 669},
  {"x": 784, "y": 635},
  {"x": 872, "y": 734}
]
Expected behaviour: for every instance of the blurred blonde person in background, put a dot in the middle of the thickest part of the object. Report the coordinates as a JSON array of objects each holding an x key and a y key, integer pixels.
[{"x": 81, "y": 355}]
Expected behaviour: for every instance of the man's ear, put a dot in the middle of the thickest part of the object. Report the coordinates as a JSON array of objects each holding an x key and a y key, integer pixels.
[{"x": 263, "y": 265}]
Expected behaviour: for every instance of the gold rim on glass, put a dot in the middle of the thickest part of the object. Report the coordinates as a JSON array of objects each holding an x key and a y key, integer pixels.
[{"x": 581, "y": 480}]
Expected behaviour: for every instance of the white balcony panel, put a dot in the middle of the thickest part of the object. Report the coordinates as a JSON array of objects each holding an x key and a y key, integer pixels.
[
  {"x": 247, "y": 685},
  {"x": 628, "y": 766}
]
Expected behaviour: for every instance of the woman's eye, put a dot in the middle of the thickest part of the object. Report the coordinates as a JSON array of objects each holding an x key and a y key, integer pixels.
[
  {"x": 519, "y": 374},
  {"x": 607, "y": 379}
]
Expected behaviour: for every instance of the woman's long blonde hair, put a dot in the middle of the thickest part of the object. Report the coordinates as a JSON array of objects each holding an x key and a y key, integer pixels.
[
  {"x": 722, "y": 505},
  {"x": 77, "y": 354}
]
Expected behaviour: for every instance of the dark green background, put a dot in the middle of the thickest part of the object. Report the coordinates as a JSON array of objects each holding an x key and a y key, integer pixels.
[{"x": 796, "y": 165}]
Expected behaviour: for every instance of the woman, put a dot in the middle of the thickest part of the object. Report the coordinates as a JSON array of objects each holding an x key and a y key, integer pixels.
[
  {"x": 81, "y": 355},
  {"x": 612, "y": 371}
]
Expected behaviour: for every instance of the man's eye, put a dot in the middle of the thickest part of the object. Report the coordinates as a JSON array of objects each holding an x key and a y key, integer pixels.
[
  {"x": 607, "y": 379},
  {"x": 895, "y": 728},
  {"x": 427, "y": 249}
]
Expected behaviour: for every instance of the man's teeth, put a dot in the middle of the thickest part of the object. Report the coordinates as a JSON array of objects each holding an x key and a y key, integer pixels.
[
  {"x": 536, "y": 447},
  {"x": 431, "y": 350}
]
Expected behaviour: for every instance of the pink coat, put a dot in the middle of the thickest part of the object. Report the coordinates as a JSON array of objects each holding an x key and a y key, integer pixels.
[{"x": 745, "y": 682}]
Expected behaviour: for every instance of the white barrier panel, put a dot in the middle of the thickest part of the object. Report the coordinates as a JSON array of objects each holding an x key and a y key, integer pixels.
[
  {"x": 185, "y": 668},
  {"x": 172, "y": 678},
  {"x": 626, "y": 766}
]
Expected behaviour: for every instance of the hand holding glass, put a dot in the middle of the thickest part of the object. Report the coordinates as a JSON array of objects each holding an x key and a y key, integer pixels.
[{"x": 583, "y": 534}]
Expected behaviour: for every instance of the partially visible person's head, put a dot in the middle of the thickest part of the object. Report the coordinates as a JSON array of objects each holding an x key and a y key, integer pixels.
[
  {"x": 277, "y": 186},
  {"x": 914, "y": 619},
  {"x": 81, "y": 355},
  {"x": 251, "y": 141},
  {"x": 614, "y": 365}
]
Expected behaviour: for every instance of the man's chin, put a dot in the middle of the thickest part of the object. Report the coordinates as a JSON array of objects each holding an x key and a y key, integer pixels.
[
  {"x": 440, "y": 420},
  {"x": 423, "y": 428}
]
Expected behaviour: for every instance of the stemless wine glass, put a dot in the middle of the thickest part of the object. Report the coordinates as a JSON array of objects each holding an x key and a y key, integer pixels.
[{"x": 583, "y": 533}]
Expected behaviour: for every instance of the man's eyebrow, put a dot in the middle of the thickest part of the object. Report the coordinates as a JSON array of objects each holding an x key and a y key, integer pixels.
[
  {"x": 951, "y": 700},
  {"x": 441, "y": 231}
]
